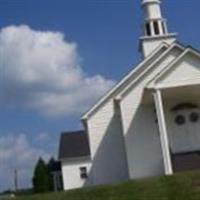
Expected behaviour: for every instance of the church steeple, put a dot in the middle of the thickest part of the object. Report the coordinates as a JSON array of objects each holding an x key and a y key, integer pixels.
[
  {"x": 155, "y": 29},
  {"x": 154, "y": 24}
]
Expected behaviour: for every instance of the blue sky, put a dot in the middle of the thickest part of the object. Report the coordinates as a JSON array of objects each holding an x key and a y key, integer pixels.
[{"x": 100, "y": 41}]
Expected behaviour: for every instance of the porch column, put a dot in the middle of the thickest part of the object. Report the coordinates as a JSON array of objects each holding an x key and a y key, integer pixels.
[{"x": 163, "y": 132}]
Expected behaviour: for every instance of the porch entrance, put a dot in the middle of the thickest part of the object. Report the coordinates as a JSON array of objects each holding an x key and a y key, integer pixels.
[
  {"x": 184, "y": 128},
  {"x": 182, "y": 113}
]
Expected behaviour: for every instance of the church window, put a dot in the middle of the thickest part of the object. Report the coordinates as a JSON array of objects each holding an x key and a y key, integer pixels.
[
  {"x": 148, "y": 29},
  {"x": 180, "y": 120},
  {"x": 83, "y": 173},
  {"x": 194, "y": 117},
  {"x": 156, "y": 28}
]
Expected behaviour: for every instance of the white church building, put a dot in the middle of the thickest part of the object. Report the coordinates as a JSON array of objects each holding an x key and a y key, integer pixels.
[{"x": 149, "y": 123}]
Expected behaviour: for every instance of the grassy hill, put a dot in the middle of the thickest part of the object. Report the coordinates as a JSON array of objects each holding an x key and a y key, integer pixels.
[{"x": 178, "y": 187}]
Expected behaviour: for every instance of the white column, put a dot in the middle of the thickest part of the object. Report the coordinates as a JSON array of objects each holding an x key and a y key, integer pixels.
[
  {"x": 152, "y": 28},
  {"x": 163, "y": 132},
  {"x": 162, "y": 32}
]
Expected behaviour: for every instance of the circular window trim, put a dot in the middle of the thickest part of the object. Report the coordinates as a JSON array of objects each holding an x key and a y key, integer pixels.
[
  {"x": 180, "y": 120},
  {"x": 194, "y": 117}
]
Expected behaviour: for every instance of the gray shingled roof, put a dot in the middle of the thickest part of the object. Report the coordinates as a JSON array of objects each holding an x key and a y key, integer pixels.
[{"x": 74, "y": 145}]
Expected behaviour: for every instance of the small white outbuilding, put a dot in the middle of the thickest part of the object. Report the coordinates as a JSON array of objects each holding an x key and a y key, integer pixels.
[
  {"x": 148, "y": 124},
  {"x": 74, "y": 154}
]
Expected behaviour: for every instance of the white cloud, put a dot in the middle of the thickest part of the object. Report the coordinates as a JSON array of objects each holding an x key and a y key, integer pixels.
[
  {"x": 42, "y": 137},
  {"x": 41, "y": 70},
  {"x": 17, "y": 152}
]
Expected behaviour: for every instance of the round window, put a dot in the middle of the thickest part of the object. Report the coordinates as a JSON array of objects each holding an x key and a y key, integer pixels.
[
  {"x": 194, "y": 117},
  {"x": 180, "y": 120}
]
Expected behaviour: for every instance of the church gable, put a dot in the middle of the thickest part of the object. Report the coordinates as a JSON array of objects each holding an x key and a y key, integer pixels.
[{"x": 185, "y": 70}]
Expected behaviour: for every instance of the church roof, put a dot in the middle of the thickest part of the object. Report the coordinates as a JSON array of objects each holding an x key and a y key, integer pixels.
[
  {"x": 119, "y": 91},
  {"x": 127, "y": 79},
  {"x": 74, "y": 145}
]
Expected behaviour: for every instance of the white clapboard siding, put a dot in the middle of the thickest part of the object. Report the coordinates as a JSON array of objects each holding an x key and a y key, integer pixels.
[
  {"x": 184, "y": 72},
  {"x": 71, "y": 174},
  {"x": 107, "y": 146}
]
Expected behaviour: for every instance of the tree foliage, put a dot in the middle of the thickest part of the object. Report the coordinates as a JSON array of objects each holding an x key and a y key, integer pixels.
[{"x": 41, "y": 178}]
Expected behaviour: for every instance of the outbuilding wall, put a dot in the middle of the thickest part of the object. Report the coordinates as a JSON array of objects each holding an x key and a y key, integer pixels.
[{"x": 71, "y": 174}]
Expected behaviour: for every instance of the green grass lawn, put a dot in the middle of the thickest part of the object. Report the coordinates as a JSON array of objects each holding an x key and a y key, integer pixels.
[{"x": 184, "y": 186}]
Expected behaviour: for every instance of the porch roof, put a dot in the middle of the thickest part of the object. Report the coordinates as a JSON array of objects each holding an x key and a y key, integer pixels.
[{"x": 173, "y": 95}]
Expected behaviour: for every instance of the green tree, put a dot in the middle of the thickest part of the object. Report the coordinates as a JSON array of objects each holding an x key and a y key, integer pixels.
[
  {"x": 50, "y": 165},
  {"x": 41, "y": 178}
]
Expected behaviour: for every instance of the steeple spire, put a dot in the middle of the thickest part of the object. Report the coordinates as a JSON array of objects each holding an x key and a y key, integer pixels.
[{"x": 155, "y": 27}]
